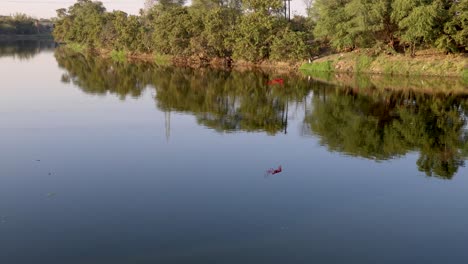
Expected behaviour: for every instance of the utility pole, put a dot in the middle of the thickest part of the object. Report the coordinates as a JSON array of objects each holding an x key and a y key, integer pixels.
[
  {"x": 167, "y": 124},
  {"x": 287, "y": 9}
]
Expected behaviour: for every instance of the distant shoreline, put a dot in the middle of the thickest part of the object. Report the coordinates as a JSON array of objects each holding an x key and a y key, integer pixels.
[{"x": 27, "y": 37}]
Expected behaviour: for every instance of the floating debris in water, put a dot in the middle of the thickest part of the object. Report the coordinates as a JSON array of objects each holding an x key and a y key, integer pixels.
[
  {"x": 278, "y": 81},
  {"x": 274, "y": 171}
]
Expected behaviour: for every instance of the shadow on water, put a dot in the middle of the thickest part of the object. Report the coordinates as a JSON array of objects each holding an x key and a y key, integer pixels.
[
  {"x": 359, "y": 120},
  {"x": 25, "y": 49}
]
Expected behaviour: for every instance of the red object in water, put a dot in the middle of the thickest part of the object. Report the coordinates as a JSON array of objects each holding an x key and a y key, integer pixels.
[
  {"x": 278, "y": 81},
  {"x": 274, "y": 171}
]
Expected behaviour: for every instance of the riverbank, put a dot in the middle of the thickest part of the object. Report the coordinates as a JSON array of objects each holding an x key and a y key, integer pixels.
[
  {"x": 369, "y": 83},
  {"x": 425, "y": 63},
  {"x": 186, "y": 61}
]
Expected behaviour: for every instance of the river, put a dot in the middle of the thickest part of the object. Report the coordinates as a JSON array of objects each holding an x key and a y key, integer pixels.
[{"x": 119, "y": 162}]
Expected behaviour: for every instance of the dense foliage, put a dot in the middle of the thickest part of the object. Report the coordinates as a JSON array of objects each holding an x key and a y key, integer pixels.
[
  {"x": 21, "y": 24},
  {"x": 255, "y": 30},
  {"x": 251, "y": 30},
  {"x": 394, "y": 24}
]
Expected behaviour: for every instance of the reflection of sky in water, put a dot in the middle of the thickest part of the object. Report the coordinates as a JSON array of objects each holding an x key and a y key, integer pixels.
[{"x": 120, "y": 192}]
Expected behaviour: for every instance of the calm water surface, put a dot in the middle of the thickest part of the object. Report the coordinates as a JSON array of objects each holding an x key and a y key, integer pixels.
[{"x": 105, "y": 162}]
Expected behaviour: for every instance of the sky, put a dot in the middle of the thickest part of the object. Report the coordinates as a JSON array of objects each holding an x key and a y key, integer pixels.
[{"x": 46, "y": 8}]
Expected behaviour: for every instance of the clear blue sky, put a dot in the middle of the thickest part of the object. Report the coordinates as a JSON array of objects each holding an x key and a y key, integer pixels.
[{"x": 46, "y": 8}]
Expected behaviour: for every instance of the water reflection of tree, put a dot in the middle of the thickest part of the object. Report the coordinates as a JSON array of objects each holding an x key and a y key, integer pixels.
[
  {"x": 24, "y": 49},
  {"x": 369, "y": 123},
  {"x": 222, "y": 100},
  {"x": 436, "y": 127},
  {"x": 383, "y": 125},
  {"x": 227, "y": 101},
  {"x": 98, "y": 76}
]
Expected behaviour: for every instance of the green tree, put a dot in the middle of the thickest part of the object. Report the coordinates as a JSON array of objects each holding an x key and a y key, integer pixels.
[
  {"x": 217, "y": 25},
  {"x": 82, "y": 23},
  {"x": 417, "y": 21},
  {"x": 289, "y": 45},
  {"x": 121, "y": 31},
  {"x": 171, "y": 28},
  {"x": 255, "y": 32},
  {"x": 455, "y": 28},
  {"x": 331, "y": 23},
  {"x": 349, "y": 24}
]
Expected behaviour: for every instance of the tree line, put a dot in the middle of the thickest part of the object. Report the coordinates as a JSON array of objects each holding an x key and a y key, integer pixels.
[
  {"x": 256, "y": 30},
  {"x": 21, "y": 24},
  {"x": 250, "y": 30}
]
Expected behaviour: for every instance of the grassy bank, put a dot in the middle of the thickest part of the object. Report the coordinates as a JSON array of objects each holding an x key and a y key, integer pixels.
[
  {"x": 426, "y": 63},
  {"x": 381, "y": 82},
  {"x": 76, "y": 47},
  {"x": 118, "y": 55},
  {"x": 189, "y": 61},
  {"x": 465, "y": 75}
]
